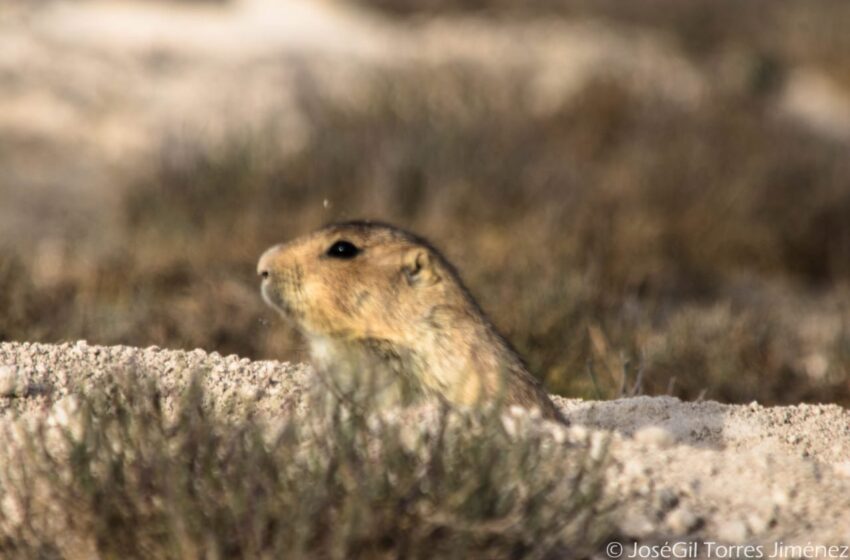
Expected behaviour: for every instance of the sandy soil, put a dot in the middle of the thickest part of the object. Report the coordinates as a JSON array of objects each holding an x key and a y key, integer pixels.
[{"x": 685, "y": 471}]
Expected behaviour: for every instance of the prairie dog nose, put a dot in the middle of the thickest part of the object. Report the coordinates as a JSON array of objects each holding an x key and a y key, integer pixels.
[{"x": 264, "y": 266}]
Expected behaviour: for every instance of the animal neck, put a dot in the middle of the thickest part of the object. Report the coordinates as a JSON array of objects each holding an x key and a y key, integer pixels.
[
  {"x": 460, "y": 351},
  {"x": 367, "y": 370}
]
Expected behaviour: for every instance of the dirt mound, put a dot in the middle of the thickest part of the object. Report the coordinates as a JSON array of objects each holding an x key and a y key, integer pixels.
[{"x": 691, "y": 472}]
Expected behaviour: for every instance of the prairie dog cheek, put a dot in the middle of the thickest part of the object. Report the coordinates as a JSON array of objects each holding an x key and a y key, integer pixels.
[
  {"x": 313, "y": 294},
  {"x": 324, "y": 307}
]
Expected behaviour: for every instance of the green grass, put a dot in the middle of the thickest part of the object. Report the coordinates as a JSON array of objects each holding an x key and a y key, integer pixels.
[{"x": 122, "y": 475}]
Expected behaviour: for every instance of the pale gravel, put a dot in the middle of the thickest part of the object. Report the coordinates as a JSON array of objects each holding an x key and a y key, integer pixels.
[{"x": 678, "y": 470}]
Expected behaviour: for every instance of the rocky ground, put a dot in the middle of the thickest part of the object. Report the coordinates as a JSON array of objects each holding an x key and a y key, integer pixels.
[{"x": 694, "y": 472}]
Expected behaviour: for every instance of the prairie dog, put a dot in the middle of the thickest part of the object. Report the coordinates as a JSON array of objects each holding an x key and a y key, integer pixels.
[{"x": 385, "y": 314}]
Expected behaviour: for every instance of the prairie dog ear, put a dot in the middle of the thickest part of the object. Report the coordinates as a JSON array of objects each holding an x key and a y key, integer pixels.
[{"x": 418, "y": 267}]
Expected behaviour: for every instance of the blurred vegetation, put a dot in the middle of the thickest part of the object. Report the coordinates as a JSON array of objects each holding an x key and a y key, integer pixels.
[
  {"x": 115, "y": 473},
  {"x": 781, "y": 31},
  {"x": 703, "y": 250}
]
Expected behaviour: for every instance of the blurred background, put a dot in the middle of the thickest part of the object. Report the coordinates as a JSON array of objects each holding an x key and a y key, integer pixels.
[{"x": 652, "y": 191}]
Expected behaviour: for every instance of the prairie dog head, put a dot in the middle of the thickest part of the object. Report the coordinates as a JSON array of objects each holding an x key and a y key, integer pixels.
[{"x": 356, "y": 280}]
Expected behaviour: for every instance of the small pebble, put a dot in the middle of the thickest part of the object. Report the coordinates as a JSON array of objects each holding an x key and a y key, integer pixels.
[
  {"x": 732, "y": 531},
  {"x": 843, "y": 468},
  {"x": 682, "y": 520},
  {"x": 757, "y": 523},
  {"x": 8, "y": 381},
  {"x": 655, "y": 435}
]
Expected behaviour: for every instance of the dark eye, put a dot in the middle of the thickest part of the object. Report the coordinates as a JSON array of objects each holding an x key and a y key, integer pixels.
[{"x": 343, "y": 250}]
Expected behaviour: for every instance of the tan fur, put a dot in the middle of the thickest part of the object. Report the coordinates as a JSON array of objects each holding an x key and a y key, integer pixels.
[{"x": 395, "y": 320}]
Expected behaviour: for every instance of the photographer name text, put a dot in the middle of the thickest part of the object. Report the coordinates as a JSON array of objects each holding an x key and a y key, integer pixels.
[{"x": 710, "y": 549}]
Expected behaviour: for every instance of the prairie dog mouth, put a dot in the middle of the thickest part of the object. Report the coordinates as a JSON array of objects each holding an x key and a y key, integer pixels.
[{"x": 272, "y": 297}]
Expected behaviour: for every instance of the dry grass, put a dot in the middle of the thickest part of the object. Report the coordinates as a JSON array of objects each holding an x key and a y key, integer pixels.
[
  {"x": 810, "y": 32},
  {"x": 609, "y": 232},
  {"x": 118, "y": 475},
  {"x": 705, "y": 247}
]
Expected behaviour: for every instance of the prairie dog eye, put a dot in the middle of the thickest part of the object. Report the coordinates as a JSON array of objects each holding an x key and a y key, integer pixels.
[{"x": 343, "y": 249}]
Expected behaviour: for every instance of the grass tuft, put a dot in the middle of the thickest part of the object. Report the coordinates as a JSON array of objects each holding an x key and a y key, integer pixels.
[{"x": 121, "y": 473}]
